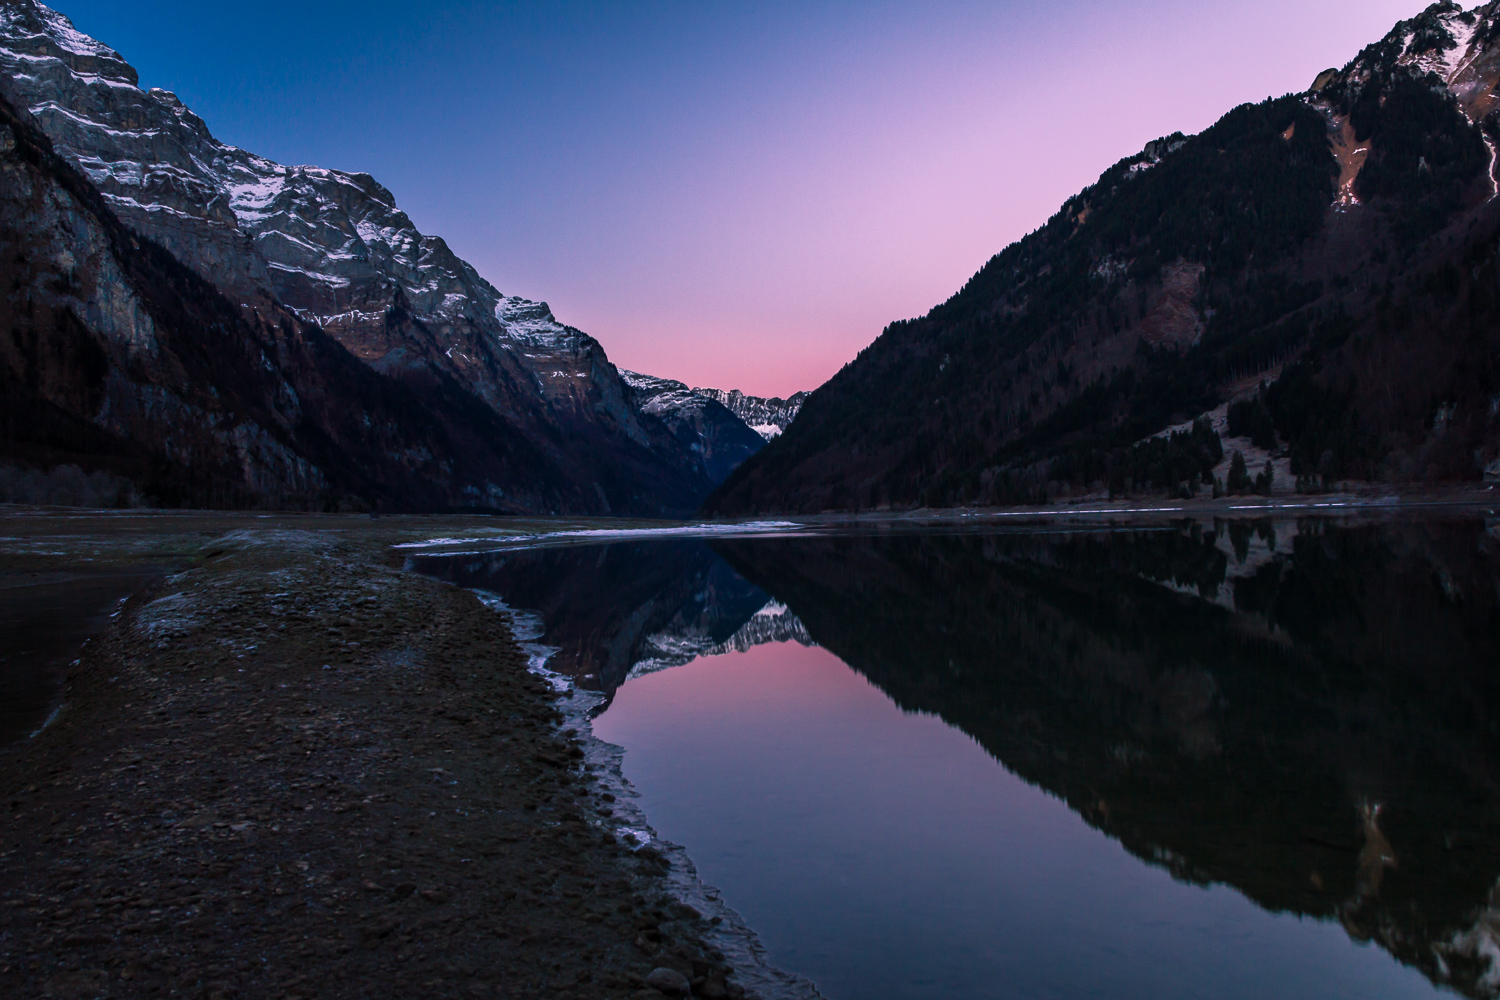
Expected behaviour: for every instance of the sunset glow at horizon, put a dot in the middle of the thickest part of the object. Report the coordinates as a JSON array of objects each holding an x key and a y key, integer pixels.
[{"x": 735, "y": 196}]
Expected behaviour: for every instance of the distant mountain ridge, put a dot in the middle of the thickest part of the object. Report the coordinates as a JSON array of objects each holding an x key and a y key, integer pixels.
[
  {"x": 313, "y": 247},
  {"x": 701, "y": 423},
  {"x": 767, "y": 416},
  {"x": 1338, "y": 246}
]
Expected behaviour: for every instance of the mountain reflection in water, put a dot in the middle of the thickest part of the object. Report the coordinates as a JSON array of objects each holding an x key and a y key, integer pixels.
[
  {"x": 637, "y": 607},
  {"x": 1306, "y": 711}
]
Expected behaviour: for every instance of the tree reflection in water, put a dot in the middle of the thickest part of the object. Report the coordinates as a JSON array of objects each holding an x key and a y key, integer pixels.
[{"x": 1307, "y": 711}]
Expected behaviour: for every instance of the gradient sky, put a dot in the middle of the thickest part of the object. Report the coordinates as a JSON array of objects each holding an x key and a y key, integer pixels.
[{"x": 735, "y": 195}]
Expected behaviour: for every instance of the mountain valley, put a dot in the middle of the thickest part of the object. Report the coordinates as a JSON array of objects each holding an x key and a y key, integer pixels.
[{"x": 1304, "y": 295}]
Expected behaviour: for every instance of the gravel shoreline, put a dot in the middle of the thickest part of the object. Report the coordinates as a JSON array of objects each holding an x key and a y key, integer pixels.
[
  {"x": 726, "y": 932},
  {"x": 294, "y": 770}
]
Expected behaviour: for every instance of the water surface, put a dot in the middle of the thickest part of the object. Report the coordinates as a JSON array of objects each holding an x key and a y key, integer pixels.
[
  {"x": 1233, "y": 759},
  {"x": 45, "y": 618}
]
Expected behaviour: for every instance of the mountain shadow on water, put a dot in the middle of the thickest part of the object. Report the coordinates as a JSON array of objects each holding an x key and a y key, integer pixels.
[
  {"x": 1306, "y": 712},
  {"x": 606, "y": 609}
]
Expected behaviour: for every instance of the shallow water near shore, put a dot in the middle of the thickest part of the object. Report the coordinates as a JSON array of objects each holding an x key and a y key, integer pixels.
[
  {"x": 45, "y": 618},
  {"x": 1223, "y": 758}
]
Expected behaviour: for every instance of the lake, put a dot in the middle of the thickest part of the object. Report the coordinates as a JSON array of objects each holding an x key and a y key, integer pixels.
[{"x": 1200, "y": 759}]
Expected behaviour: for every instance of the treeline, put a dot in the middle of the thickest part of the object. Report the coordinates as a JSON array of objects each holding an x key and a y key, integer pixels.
[
  {"x": 1180, "y": 462},
  {"x": 67, "y": 486}
]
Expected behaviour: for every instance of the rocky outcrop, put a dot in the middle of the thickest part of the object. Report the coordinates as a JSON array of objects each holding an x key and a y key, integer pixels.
[{"x": 333, "y": 249}]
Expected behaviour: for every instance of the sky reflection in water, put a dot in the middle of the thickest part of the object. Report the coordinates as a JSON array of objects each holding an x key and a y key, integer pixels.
[
  {"x": 1206, "y": 761},
  {"x": 885, "y": 854}
]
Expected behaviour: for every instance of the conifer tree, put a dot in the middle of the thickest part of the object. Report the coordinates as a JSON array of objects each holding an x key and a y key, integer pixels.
[
  {"x": 1266, "y": 479},
  {"x": 1239, "y": 475}
]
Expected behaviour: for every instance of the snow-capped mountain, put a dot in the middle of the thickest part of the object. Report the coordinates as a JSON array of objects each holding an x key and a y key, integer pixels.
[
  {"x": 334, "y": 248},
  {"x": 116, "y": 358},
  {"x": 1454, "y": 47},
  {"x": 768, "y": 417},
  {"x": 704, "y": 425}
]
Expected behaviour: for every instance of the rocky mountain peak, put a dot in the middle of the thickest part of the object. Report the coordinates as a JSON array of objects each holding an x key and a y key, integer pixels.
[
  {"x": 701, "y": 422},
  {"x": 1446, "y": 50},
  {"x": 1444, "y": 40},
  {"x": 532, "y": 324},
  {"x": 331, "y": 244},
  {"x": 44, "y": 34},
  {"x": 768, "y": 417}
]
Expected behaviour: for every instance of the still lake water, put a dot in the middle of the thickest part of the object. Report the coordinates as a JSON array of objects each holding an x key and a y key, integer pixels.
[{"x": 1223, "y": 759}]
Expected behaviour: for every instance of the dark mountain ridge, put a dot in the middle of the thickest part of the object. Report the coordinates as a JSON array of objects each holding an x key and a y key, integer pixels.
[
  {"x": 535, "y": 417},
  {"x": 120, "y": 359},
  {"x": 1324, "y": 260},
  {"x": 720, "y": 437}
]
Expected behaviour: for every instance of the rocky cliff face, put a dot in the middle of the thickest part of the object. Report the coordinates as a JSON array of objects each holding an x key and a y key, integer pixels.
[
  {"x": 333, "y": 249},
  {"x": 1326, "y": 260},
  {"x": 705, "y": 426},
  {"x": 116, "y": 357}
]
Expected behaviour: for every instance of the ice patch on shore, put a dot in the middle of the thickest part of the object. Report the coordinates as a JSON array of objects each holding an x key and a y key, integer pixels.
[
  {"x": 51, "y": 718},
  {"x": 705, "y": 530},
  {"x": 166, "y": 615},
  {"x": 527, "y": 626},
  {"x": 638, "y": 838}
]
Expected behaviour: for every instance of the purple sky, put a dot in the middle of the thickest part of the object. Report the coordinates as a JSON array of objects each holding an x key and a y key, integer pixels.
[{"x": 734, "y": 195}]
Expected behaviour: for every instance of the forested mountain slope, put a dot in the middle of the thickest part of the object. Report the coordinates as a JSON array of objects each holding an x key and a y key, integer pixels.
[{"x": 1336, "y": 247}]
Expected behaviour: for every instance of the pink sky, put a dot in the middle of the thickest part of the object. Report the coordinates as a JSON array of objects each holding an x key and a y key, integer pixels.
[
  {"x": 734, "y": 195},
  {"x": 767, "y": 246}
]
